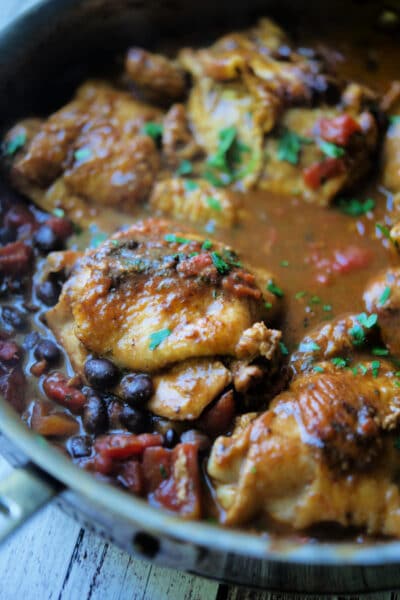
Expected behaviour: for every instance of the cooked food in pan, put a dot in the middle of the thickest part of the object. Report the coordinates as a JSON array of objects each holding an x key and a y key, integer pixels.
[{"x": 200, "y": 281}]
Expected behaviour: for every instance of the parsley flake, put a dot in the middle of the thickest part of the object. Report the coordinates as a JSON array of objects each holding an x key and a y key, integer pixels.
[
  {"x": 319, "y": 369},
  {"x": 163, "y": 472},
  {"x": 190, "y": 185},
  {"x": 356, "y": 208},
  {"x": 358, "y": 335},
  {"x": 289, "y": 146},
  {"x": 283, "y": 348},
  {"x": 15, "y": 144},
  {"x": 375, "y": 366},
  {"x": 385, "y": 296},
  {"x": 367, "y": 321},
  {"x": 153, "y": 130},
  {"x": 331, "y": 150},
  {"x": 185, "y": 168},
  {"x": 157, "y": 337},
  {"x": 274, "y": 289},
  {"x": 176, "y": 239},
  {"x": 394, "y": 119},
  {"x": 299, "y": 295},
  {"x": 59, "y": 212},
  {"x": 207, "y": 245},
  {"x": 214, "y": 203},
  {"x": 284, "y": 263},
  {"x": 218, "y": 262},
  {"x": 380, "y": 351},
  {"x": 82, "y": 154},
  {"x": 339, "y": 362},
  {"x": 309, "y": 347}
]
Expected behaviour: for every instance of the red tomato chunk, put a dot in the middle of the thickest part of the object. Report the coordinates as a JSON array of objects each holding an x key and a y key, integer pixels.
[
  {"x": 124, "y": 445},
  {"x": 339, "y": 130},
  {"x": 318, "y": 173},
  {"x": 57, "y": 388},
  {"x": 15, "y": 258}
]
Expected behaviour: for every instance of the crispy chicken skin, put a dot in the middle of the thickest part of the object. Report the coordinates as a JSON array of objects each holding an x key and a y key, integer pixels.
[
  {"x": 195, "y": 201},
  {"x": 243, "y": 81},
  {"x": 92, "y": 151},
  {"x": 383, "y": 298},
  {"x": 151, "y": 299},
  {"x": 323, "y": 452},
  {"x": 156, "y": 74}
]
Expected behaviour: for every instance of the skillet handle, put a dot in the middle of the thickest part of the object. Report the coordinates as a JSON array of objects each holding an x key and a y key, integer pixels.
[{"x": 22, "y": 493}]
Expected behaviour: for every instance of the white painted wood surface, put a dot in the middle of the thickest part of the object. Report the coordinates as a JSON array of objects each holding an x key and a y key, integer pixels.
[{"x": 53, "y": 558}]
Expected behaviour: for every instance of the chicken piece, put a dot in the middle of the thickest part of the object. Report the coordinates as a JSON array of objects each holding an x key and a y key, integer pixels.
[
  {"x": 89, "y": 152},
  {"x": 155, "y": 74},
  {"x": 340, "y": 338},
  {"x": 300, "y": 162},
  {"x": 151, "y": 300},
  {"x": 195, "y": 201},
  {"x": 185, "y": 390},
  {"x": 178, "y": 142},
  {"x": 323, "y": 452},
  {"x": 382, "y": 297}
]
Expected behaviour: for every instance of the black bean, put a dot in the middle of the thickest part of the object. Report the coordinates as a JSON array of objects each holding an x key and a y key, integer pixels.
[
  {"x": 101, "y": 373},
  {"x": 48, "y": 292},
  {"x": 171, "y": 438},
  {"x": 48, "y": 351},
  {"x": 136, "y": 421},
  {"x": 46, "y": 240},
  {"x": 31, "y": 340},
  {"x": 95, "y": 416},
  {"x": 193, "y": 436},
  {"x": 14, "y": 317},
  {"x": 7, "y": 235},
  {"x": 79, "y": 446},
  {"x": 136, "y": 389}
]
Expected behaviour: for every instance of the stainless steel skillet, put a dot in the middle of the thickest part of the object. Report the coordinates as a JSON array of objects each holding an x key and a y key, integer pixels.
[{"x": 42, "y": 56}]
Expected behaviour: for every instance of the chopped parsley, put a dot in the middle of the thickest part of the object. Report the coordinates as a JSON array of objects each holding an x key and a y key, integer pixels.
[
  {"x": 16, "y": 143},
  {"x": 227, "y": 159},
  {"x": 157, "y": 337},
  {"x": 384, "y": 230},
  {"x": 190, "y": 185},
  {"x": 283, "y": 348},
  {"x": 358, "y": 335},
  {"x": 318, "y": 369},
  {"x": 339, "y": 362},
  {"x": 316, "y": 300},
  {"x": 59, "y": 212},
  {"x": 363, "y": 369},
  {"x": 385, "y": 296},
  {"x": 394, "y": 119},
  {"x": 284, "y": 263},
  {"x": 299, "y": 295},
  {"x": 253, "y": 470},
  {"x": 274, "y": 289},
  {"x": 331, "y": 150},
  {"x": 367, "y": 321},
  {"x": 327, "y": 308},
  {"x": 218, "y": 262},
  {"x": 268, "y": 305},
  {"x": 153, "y": 130},
  {"x": 82, "y": 154},
  {"x": 289, "y": 146},
  {"x": 375, "y": 366},
  {"x": 207, "y": 245},
  {"x": 176, "y": 239},
  {"x": 356, "y": 208},
  {"x": 380, "y": 351},
  {"x": 214, "y": 203},
  {"x": 185, "y": 168}
]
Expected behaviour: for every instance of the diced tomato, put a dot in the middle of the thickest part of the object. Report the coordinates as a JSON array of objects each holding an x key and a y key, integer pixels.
[
  {"x": 316, "y": 174},
  {"x": 339, "y": 129},
  {"x": 156, "y": 467},
  {"x": 131, "y": 476},
  {"x": 351, "y": 259},
  {"x": 179, "y": 490},
  {"x": 57, "y": 388},
  {"x": 242, "y": 284},
  {"x": 197, "y": 265},
  {"x": 119, "y": 446},
  {"x": 217, "y": 419},
  {"x": 15, "y": 258}
]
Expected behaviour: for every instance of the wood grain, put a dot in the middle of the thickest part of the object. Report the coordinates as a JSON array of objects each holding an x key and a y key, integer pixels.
[{"x": 53, "y": 558}]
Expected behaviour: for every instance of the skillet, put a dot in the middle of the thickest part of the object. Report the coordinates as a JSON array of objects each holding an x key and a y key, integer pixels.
[{"x": 39, "y": 64}]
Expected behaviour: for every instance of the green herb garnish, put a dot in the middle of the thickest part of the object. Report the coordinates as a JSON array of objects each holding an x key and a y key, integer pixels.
[
  {"x": 158, "y": 337},
  {"x": 356, "y": 208},
  {"x": 15, "y": 144},
  {"x": 221, "y": 266},
  {"x": 339, "y": 362},
  {"x": 59, "y": 212},
  {"x": 207, "y": 245},
  {"x": 358, "y": 335},
  {"x": 375, "y": 366},
  {"x": 163, "y": 472},
  {"x": 82, "y": 154},
  {"x": 185, "y": 168},
  {"x": 318, "y": 369},
  {"x": 289, "y": 146},
  {"x": 153, "y": 130},
  {"x": 274, "y": 289},
  {"x": 380, "y": 351},
  {"x": 283, "y": 348},
  {"x": 331, "y": 150},
  {"x": 385, "y": 296},
  {"x": 190, "y": 185},
  {"x": 367, "y": 321},
  {"x": 176, "y": 239},
  {"x": 214, "y": 203}
]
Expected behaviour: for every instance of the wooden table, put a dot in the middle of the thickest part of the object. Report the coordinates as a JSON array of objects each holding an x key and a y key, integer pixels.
[{"x": 53, "y": 558}]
